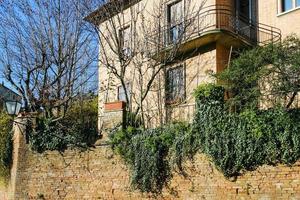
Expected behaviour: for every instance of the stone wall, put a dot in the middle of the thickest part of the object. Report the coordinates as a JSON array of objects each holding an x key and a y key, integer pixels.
[{"x": 99, "y": 174}]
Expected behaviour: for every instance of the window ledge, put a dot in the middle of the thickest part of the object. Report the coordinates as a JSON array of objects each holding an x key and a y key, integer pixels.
[{"x": 287, "y": 12}]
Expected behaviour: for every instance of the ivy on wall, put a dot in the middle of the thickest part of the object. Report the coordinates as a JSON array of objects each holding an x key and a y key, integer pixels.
[{"x": 235, "y": 142}]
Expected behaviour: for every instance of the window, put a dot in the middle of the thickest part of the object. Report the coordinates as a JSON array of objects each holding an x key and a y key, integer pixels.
[
  {"x": 125, "y": 40},
  {"x": 244, "y": 9},
  {"x": 175, "y": 85},
  {"x": 287, "y": 5},
  {"x": 121, "y": 92},
  {"x": 175, "y": 21}
]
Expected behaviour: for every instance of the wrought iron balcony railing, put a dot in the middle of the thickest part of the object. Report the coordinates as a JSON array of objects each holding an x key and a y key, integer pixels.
[{"x": 214, "y": 19}]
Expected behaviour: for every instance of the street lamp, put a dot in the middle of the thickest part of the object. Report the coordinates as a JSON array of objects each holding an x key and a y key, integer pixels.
[{"x": 13, "y": 107}]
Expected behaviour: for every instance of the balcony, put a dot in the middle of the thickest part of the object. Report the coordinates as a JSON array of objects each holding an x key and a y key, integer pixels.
[{"x": 212, "y": 24}]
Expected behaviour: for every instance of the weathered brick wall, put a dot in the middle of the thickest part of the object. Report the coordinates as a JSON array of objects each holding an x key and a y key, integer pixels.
[{"x": 99, "y": 174}]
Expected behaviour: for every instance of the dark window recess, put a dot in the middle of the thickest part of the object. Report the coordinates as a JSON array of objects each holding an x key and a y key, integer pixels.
[
  {"x": 245, "y": 9},
  {"x": 122, "y": 94},
  {"x": 287, "y": 5},
  {"x": 175, "y": 21},
  {"x": 175, "y": 85}
]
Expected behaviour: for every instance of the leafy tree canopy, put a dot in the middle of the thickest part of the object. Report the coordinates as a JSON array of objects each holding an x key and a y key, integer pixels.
[{"x": 269, "y": 74}]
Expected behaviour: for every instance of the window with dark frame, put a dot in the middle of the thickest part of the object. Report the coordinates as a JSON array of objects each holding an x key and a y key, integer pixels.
[
  {"x": 125, "y": 40},
  {"x": 122, "y": 94},
  {"x": 286, "y": 5},
  {"x": 175, "y": 21},
  {"x": 175, "y": 85}
]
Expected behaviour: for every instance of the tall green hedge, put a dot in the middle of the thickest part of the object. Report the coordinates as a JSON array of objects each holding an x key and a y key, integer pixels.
[{"x": 5, "y": 144}]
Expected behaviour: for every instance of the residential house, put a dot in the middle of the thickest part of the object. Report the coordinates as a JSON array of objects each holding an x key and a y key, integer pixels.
[{"x": 188, "y": 38}]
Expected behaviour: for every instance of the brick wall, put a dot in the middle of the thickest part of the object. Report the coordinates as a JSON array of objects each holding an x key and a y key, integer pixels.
[{"x": 99, "y": 174}]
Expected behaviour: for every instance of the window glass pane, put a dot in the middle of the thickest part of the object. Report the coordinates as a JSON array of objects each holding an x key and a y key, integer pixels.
[
  {"x": 287, "y": 5},
  {"x": 125, "y": 38},
  {"x": 175, "y": 13},
  {"x": 121, "y": 92},
  {"x": 175, "y": 20},
  {"x": 297, "y": 3},
  {"x": 175, "y": 84}
]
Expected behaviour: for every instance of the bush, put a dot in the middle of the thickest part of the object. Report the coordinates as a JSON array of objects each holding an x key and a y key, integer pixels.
[
  {"x": 133, "y": 120},
  {"x": 147, "y": 153},
  {"x": 243, "y": 142},
  {"x": 49, "y": 135},
  {"x": 77, "y": 129},
  {"x": 209, "y": 93},
  {"x": 82, "y": 120},
  {"x": 235, "y": 142},
  {"x": 270, "y": 74},
  {"x": 5, "y": 144}
]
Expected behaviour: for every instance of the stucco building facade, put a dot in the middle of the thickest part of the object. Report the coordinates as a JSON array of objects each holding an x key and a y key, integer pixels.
[{"x": 184, "y": 41}]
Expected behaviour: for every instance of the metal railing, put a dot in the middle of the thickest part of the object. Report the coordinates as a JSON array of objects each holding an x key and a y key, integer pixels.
[{"x": 212, "y": 18}]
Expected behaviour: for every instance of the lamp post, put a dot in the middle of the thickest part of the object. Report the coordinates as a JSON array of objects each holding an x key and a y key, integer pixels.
[{"x": 13, "y": 107}]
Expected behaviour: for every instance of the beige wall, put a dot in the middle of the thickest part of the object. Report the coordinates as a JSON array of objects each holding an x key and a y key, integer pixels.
[
  {"x": 268, "y": 13},
  {"x": 212, "y": 60},
  {"x": 288, "y": 22},
  {"x": 196, "y": 66}
]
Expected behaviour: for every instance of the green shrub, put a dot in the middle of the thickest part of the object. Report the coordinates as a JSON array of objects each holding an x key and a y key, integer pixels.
[
  {"x": 5, "y": 144},
  {"x": 147, "y": 153},
  {"x": 133, "y": 120},
  {"x": 120, "y": 140},
  {"x": 150, "y": 167},
  {"x": 77, "y": 129},
  {"x": 82, "y": 120},
  {"x": 209, "y": 93},
  {"x": 235, "y": 142},
  {"x": 49, "y": 135},
  {"x": 270, "y": 73},
  {"x": 243, "y": 142}
]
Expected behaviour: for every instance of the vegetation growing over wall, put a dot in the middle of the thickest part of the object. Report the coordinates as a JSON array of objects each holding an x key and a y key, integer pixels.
[
  {"x": 78, "y": 128},
  {"x": 237, "y": 139},
  {"x": 234, "y": 141},
  {"x": 5, "y": 144}
]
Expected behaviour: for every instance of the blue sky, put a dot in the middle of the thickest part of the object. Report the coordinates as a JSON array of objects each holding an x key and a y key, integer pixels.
[
  {"x": 93, "y": 82},
  {"x": 2, "y": 80}
]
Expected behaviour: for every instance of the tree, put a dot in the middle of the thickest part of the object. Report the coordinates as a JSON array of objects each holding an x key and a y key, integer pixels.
[
  {"x": 268, "y": 75},
  {"x": 46, "y": 52}
]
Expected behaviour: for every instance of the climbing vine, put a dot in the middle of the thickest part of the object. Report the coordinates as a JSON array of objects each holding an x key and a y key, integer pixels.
[{"x": 235, "y": 142}]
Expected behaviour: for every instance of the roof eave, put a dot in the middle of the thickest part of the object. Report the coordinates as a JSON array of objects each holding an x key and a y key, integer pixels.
[{"x": 109, "y": 10}]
